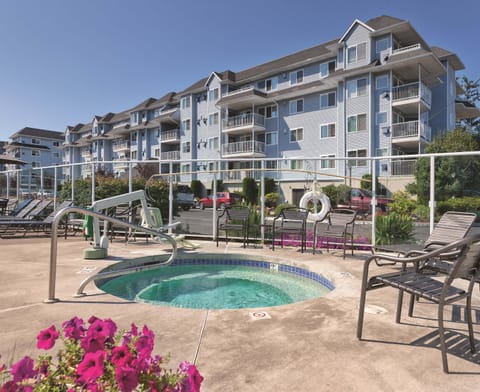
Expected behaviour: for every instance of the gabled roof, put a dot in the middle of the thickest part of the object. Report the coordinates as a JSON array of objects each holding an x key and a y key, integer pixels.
[
  {"x": 355, "y": 22},
  {"x": 383, "y": 21},
  {"x": 42, "y": 133},
  {"x": 144, "y": 105},
  {"x": 452, "y": 58}
]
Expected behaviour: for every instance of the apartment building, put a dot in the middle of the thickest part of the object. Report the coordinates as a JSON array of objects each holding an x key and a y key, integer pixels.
[
  {"x": 377, "y": 90},
  {"x": 37, "y": 148}
]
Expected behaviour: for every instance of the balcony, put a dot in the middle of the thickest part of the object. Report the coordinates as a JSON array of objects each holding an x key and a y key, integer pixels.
[
  {"x": 243, "y": 98},
  {"x": 246, "y": 148},
  {"x": 237, "y": 175},
  {"x": 244, "y": 123},
  {"x": 408, "y": 96},
  {"x": 86, "y": 153},
  {"x": 170, "y": 136},
  {"x": 121, "y": 146},
  {"x": 404, "y": 167},
  {"x": 120, "y": 164},
  {"x": 170, "y": 155},
  {"x": 409, "y": 134}
]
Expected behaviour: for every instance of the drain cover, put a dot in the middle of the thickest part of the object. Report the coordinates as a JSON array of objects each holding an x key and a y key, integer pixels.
[{"x": 259, "y": 315}]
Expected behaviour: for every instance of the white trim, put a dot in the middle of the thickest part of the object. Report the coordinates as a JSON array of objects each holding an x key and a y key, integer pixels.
[{"x": 356, "y": 21}]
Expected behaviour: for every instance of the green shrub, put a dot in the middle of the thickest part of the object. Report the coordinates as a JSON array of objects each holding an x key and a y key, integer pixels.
[
  {"x": 250, "y": 190},
  {"x": 282, "y": 206},
  {"x": 331, "y": 191},
  {"x": 422, "y": 213},
  {"x": 463, "y": 204},
  {"x": 198, "y": 188},
  {"x": 402, "y": 203},
  {"x": 271, "y": 199},
  {"x": 393, "y": 228},
  {"x": 344, "y": 194}
]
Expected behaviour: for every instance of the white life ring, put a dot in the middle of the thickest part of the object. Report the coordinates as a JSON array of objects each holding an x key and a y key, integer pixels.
[{"x": 316, "y": 197}]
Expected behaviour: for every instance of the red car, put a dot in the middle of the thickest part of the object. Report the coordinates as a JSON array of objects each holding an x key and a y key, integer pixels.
[
  {"x": 224, "y": 199},
  {"x": 361, "y": 200}
]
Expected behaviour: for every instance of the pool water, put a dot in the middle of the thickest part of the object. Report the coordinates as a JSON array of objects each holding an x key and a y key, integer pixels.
[{"x": 214, "y": 287}]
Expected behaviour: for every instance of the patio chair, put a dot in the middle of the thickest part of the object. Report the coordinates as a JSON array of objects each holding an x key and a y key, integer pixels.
[
  {"x": 291, "y": 221},
  {"x": 413, "y": 281},
  {"x": 18, "y": 209},
  {"x": 3, "y": 205},
  {"x": 338, "y": 225},
  {"x": 234, "y": 219}
]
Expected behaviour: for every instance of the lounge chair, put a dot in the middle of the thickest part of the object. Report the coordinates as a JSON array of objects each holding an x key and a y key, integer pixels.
[
  {"x": 413, "y": 281},
  {"x": 18, "y": 209},
  {"x": 234, "y": 219},
  {"x": 338, "y": 225},
  {"x": 290, "y": 221},
  {"x": 3, "y": 205}
]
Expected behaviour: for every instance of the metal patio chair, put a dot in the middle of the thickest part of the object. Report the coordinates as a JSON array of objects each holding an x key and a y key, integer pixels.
[
  {"x": 413, "y": 281},
  {"x": 291, "y": 221},
  {"x": 234, "y": 219}
]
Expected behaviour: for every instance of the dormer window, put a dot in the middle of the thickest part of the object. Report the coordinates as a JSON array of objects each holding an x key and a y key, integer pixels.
[{"x": 357, "y": 53}]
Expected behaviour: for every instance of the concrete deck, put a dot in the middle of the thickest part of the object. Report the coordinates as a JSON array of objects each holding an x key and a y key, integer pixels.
[{"x": 307, "y": 346}]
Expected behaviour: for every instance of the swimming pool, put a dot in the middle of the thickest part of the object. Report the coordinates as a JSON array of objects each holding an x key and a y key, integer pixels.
[{"x": 207, "y": 283}]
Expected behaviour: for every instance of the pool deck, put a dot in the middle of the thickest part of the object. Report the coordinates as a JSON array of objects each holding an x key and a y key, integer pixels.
[{"x": 308, "y": 346}]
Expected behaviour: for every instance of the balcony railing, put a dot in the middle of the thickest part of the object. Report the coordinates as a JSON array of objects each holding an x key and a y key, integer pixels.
[
  {"x": 406, "y": 48},
  {"x": 172, "y": 134},
  {"x": 238, "y": 91},
  {"x": 411, "y": 129},
  {"x": 244, "y": 147},
  {"x": 244, "y": 120},
  {"x": 86, "y": 153},
  {"x": 412, "y": 91},
  {"x": 119, "y": 146},
  {"x": 240, "y": 174},
  {"x": 170, "y": 155},
  {"x": 403, "y": 167}
]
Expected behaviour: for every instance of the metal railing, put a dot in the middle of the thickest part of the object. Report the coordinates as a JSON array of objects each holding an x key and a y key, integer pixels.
[
  {"x": 412, "y": 90},
  {"x": 403, "y": 167},
  {"x": 411, "y": 129},
  {"x": 406, "y": 48},
  {"x": 244, "y": 120},
  {"x": 173, "y": 134},
  {"x": 109, "y": 274},
  {"x": 170, "y": 155},
  {"x": 243, "y": 147}
]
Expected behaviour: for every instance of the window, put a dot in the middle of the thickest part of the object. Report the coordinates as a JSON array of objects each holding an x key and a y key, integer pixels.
[
  {"x": 186, "y": 125},
  {"x": 357, "y": 123},
  {"x": 326, "y": 163},
  {"x": 134, "y": 118},
  {"x": 213, "y": 143},
  {"x": 270, "y": 164},
  {"x": 211, "y": 166},
  {"x": 382, "y": 44},
  {"x": 156, "y": 152},
  {"x": 357, "y": 154},
  {"x": 186, "y": 168},
  {"x": 381, "y": 82},
  {"x": 357, "y": 53},
  {"x": 268, "y": 84},
  {"x": 271, "y": 138},
  {"x": 268, "y": 111},
  {"x": 328, "y": 100},
  {"x": 327, "y": 130},
  {"x": 185, "y": 147},
  {"x": 56, "y": 155},
  {"x": 381, "y": 152},
  {"x": 56, "y": 144},
  {"x": 327, "y": 68},
  {"x": 35, "y": 153},
  {"x": 381, "y": 118},
  {"x": 296, "y": 164},
  {"x": 185, "y": 102},
  {"x": 35, "y": 164},
  {"x": 213, "y": 94},
  {"x": 213, "y": 119},
  {"x": 357, "y": 88},
  {"x": 296, "y": 106},
  {"x": 296, "y": 77},
  {"x": 296, "y": 135},
  {"x": 35, "y": 141},
  {"x": 134, "y": 156}
]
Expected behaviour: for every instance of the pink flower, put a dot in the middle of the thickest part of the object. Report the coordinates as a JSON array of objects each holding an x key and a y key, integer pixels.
[
  {"x": 92, "y": 344},
  {"x": 144, "y": 346},
  {"x": 91, "y": 367},
  {"x": 194, "y": 378},
  {"x": 105, "y": 328},
  {"x": 46, "y": 338},
  {"x": 126, "y": 378},
  {"x": 23, "y": 369},
  {"x": 73, "y": 328},
  {"x": 121, "y": 356},
  {"x": 10, "y": 386}
]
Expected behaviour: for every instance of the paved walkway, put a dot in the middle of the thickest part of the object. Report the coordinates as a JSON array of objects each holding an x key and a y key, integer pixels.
[{"x": 308, "y": 346}]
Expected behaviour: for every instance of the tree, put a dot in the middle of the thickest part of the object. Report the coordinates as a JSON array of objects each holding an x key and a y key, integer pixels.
[
  {"x": 250, "y": 190},
  {"x": 470, "y": 97},
  {"x": 453, "y": 175}
]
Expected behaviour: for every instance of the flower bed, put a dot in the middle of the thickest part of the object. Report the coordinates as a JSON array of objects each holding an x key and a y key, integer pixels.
[{"x": 98, "y": 358}]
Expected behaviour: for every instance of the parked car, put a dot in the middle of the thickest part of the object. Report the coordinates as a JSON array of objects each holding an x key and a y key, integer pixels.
[
  {"x": 224, "y": 199},
  {"x": 361, "y": 200},
  {"x": 185, "y": 199}
]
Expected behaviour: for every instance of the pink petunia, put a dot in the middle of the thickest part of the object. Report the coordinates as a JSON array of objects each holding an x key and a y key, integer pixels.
[
  {"x": 194, "y": 378},
  {"x": 74, "y": 328},
  {"x": 23, "y": 369},
  {"x": 46, "y": 338},
  {"x": 91, "y": 344},
  {"x": 121, "y": 356},
  {"x": 105, "y": 328},
  {"x": 91, "y": 367},
  {"x": 126, "y": 378}
]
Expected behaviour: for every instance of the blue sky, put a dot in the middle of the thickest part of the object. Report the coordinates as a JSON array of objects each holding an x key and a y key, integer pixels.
[{"x": 64, "y": 61}]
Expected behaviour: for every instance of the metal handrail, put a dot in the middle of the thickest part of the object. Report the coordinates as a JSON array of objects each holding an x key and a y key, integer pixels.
[{"x": 53, "y": 250}]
